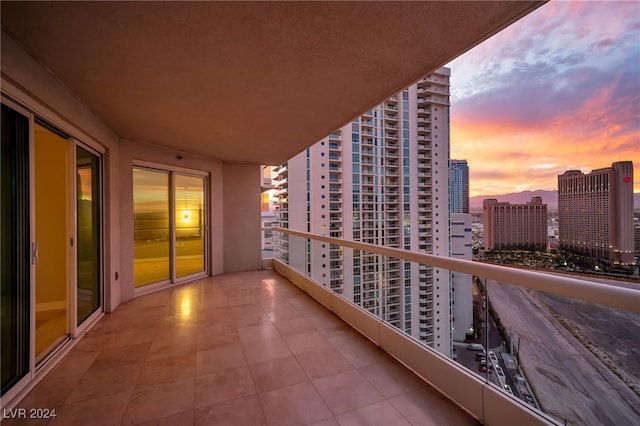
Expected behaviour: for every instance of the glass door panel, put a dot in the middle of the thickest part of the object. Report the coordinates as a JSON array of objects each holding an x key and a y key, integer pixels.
[
  {"x": 88, "y": 233},
  {"x": 151, "y": 239},
  {"x": 189, "y": 225},
  {"x": 15, "y": 249},
  {"x": 52, "y": 236}
]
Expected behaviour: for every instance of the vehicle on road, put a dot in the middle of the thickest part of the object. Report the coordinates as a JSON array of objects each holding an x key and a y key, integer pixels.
[
  {"x": 480, "y": 357},
  {"x": 475, "y": 347},
  {"x": 529, "y": 399},
  {"x": 493, "y": 356},
  {"x": 483, "y": 368},
  {"x": 508, "y": 389},
  {"x": 499, "y": 371}
]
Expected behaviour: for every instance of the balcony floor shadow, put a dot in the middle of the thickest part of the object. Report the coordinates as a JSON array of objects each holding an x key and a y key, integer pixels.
[{"x": 244, "y": 348}]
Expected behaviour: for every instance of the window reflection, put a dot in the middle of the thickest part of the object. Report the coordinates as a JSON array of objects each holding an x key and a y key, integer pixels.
[
  {"x": 151, "y": 227},
  {"x": 189, "y": 221}
]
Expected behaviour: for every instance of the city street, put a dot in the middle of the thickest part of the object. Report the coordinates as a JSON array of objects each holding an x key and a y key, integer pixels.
[{"x": 570, "y": 383}]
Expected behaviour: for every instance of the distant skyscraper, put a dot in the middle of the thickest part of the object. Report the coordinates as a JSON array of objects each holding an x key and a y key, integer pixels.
[
  {"x": 381, "y": 179},
  {"x": 515, "y": 226},
  {"x": 459, "y": 186},
  {"x": 595, "y": 212},
  {"x": 461, "y": 247}
]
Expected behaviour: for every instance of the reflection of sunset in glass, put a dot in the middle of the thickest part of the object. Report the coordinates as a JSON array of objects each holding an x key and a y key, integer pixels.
[
  {"x": 85, "y": 183},
  {"x": 556, "y": 91}
]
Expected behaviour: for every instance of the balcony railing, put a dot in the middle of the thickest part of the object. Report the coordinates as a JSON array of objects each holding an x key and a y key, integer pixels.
[{"x": 532, "y": 380}]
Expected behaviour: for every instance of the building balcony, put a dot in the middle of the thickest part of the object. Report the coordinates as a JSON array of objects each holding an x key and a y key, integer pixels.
[
  {"x": 577, "y": 288},
  {"x": 236, "y": 349}
]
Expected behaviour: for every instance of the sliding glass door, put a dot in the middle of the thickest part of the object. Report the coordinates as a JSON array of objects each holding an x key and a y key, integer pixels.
[
  {"x": 169, "y": 226},
  {"x": 15, "y": 249},
  {"x": 89, "y": 235},
  {"x": 189, "y": 225},
  {"x": 151, "y": 236},
  {"x": 51, "y": 245},
  {"x": 53, "y": 236}
]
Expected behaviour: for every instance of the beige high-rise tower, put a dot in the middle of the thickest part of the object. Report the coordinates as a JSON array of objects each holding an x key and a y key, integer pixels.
[{"x": 595, "y": 212}]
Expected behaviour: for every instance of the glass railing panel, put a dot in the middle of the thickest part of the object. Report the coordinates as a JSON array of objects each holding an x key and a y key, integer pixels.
[
  {"x": 573, "y": 360},
  {"x": 559, "y": 353}
]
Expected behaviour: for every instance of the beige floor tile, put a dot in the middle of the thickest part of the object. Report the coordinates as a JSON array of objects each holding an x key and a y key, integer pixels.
[
  {"x": 166, "y": 347},
  {"x": 379, "y": 414},
  {"x": 186, "y": 418},
  {"x": 360, "y": 352},
  {"x": 281, "y": 313},
  {"x": 237, "y": 349},
  {"x": 176, "y": 331},
  {"x": 211, "y": 339},
  {"x": 161, "y": 400},
  {"x": 346, "y": 391},
  {"x": 121, "y": 356},
  {"x": 78, "y": 361},
  {"x": 253, "y": 318},
  {"x": 104, "y": 411},
  {"x": 98, "y": 382},
  {"x": 254, "y": 333},
  {"x": 298, "y": 404},
  {"x": 164, "y": 370},
  {"x": 241, "y": 300},
  {"x": 307, "y": 341},
  {"x": 323, "y": 363},
  {"x": 223, "y": 385},
  {"x": 276, "y": 373},
  {"x": 294, "y": 326},
  {"x": 52, "y": 391},
  {"x": 220, "y": 358},
  {"x": 427, "y": 407},
  {"x": 391, "y": 378},
  {"x": 331, "y": 421},
  {"x": 265, "y": 350},
  {"x": 241, "y": 411}
]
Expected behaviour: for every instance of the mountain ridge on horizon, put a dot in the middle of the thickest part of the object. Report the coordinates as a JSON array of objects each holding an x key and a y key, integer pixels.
[{"x": 549, "y": 197}]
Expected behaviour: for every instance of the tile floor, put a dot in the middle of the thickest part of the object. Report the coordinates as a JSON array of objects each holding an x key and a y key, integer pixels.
[{"x": 237, "y": 349}]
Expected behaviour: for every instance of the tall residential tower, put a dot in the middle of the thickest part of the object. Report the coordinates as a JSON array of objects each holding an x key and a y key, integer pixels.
[
  {"x": 459, "y": 186},
  {"x": 381, "y": 179}
]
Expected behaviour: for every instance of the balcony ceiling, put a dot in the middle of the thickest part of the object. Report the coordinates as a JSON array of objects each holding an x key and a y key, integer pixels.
[{"x": 245, "y": 82}]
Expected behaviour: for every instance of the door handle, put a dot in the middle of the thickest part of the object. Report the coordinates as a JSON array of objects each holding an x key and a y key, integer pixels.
[{"x": 34, "y": 253}]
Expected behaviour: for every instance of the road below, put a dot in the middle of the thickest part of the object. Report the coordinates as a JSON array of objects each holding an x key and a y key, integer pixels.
[{"x": 569, "y": 381}]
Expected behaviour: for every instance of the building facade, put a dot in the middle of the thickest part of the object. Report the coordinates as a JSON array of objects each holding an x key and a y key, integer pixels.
[
  {"x": 515, "y": 226},
  {"x": 381, "y": 179},
  {"x": 595, "y": 213},
  {"x": 461, "y": 284},
  {"x": 459, "y": 186}
]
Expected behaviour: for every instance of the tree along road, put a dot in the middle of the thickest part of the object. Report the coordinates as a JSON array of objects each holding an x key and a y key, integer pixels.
[{"x": 569, "y": 381}]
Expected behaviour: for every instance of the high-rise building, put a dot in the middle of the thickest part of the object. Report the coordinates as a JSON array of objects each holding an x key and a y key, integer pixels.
[
  {"x": 381, "y": 179},
  {"x": 459, "y": 186},
  {"x": 461, "y": 284},
  {"x": 461, "y": 247},
  {"x": 515, "y": 226},
  {"x": 595, "y": 212}
]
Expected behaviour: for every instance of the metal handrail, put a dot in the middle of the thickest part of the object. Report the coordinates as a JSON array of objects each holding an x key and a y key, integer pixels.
[{"x": 575, "y": 288}]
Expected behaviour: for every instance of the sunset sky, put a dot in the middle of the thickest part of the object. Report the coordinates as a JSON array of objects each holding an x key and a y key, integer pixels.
[{"x": 558, "y": 90}]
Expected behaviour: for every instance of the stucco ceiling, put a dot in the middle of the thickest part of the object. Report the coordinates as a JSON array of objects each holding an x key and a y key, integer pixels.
[{"x": 245, "y": 82}]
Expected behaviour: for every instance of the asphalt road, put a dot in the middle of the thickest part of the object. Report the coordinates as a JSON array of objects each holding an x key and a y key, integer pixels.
[{"x": 569, "y": 381}]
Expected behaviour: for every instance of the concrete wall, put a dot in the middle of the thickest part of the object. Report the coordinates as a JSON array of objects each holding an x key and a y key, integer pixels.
[
  {"x": 241, "y": 207},
  {"x": 233, "y": 193}
]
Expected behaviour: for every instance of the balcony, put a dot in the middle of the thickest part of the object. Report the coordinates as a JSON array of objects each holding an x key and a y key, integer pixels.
[
  {"x": 235, "y": 349},
  {"x": 488, "y": 399}
]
